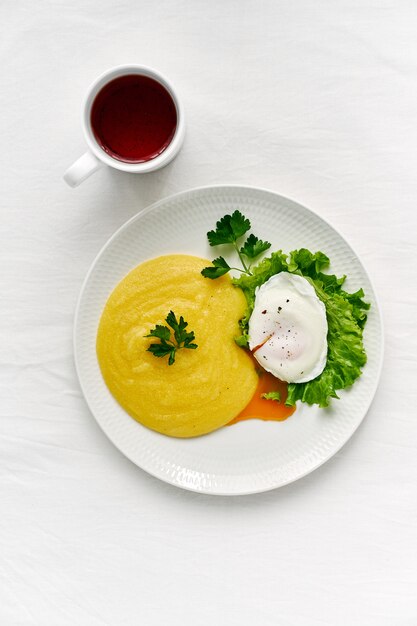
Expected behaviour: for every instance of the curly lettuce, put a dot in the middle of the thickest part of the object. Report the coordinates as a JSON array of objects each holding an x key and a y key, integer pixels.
[{"x": 346, "y": 317}]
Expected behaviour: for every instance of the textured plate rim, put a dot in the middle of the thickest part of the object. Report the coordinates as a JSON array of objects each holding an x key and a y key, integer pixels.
[{"x": 173, "y": 481}]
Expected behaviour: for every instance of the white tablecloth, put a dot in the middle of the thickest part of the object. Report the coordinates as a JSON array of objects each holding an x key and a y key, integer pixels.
[{"x": 315, "y": 100}]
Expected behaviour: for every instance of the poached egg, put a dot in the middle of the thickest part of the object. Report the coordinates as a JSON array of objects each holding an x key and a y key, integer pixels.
[{"x": 288, "y": 328}]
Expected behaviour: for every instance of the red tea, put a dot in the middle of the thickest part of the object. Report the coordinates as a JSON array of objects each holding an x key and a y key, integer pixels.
[{"x": 134, "y": 118}]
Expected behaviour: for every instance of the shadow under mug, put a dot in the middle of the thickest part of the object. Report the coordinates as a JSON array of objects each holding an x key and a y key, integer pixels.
[{"x": 96, "y": 156}]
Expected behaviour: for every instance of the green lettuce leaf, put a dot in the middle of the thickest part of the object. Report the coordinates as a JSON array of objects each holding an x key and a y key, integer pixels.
[{"x": 346, "y": 317}]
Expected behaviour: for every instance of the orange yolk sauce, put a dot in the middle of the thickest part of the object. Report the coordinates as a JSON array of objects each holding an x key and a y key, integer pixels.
[{"x": 259, "y": 407}]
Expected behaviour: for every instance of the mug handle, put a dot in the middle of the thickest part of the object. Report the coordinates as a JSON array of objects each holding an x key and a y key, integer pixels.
[{"x": 83, "y": 167}]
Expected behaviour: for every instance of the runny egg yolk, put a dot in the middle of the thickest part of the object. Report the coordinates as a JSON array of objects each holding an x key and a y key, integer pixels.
[{"x": 263, "y": 409}]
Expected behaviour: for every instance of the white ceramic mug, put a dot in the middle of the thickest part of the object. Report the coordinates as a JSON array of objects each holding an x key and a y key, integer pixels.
[{"x": 95, "y": 156}]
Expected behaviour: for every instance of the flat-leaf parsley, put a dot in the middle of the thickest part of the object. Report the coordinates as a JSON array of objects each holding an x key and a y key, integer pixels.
[
  {"x": 228, "y": 230},
  {"x": 169, "y": 345}
]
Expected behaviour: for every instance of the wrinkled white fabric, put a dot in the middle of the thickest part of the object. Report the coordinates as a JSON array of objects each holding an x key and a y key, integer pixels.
[{"x": 315, "y": 100}]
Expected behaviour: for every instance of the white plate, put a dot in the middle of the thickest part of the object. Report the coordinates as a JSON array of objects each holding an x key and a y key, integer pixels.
[{"x": 251, "y": 456}]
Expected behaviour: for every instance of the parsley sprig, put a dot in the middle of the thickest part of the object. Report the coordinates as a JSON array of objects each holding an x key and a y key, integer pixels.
[
  {"x": 228, "y": 231},
  {"x": 169, "y": 345}
]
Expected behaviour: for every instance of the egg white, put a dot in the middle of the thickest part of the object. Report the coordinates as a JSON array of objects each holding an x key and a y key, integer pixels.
[{"x": 288, "y": 328}]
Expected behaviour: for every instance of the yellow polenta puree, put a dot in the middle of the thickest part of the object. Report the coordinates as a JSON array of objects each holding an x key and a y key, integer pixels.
[{"x": 205, "y": 388}]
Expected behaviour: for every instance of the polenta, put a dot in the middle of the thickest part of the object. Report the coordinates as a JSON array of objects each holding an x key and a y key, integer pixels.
[{"x": 205, "y": 388}]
